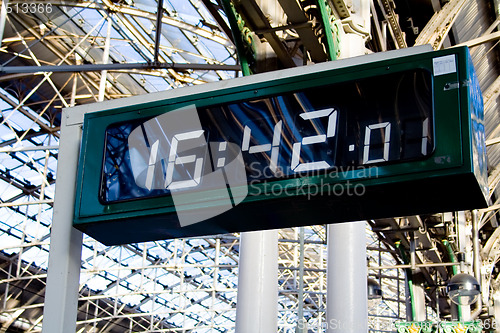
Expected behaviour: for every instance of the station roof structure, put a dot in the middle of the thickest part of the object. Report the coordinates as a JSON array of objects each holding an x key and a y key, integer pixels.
[{"x": 56, "y": 54}]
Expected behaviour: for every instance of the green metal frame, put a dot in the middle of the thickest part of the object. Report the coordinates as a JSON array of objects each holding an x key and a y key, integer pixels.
[
  {"x": 416, "y": 327},
  {"x": 454, "y": 270},
  {"x": 242, "y": 36},
  {"x": 331, "y": 27},
  {"x": 409, "y": 278},
  {"x": 450, "y": 179},
  {"x": 475, "y": 326}
]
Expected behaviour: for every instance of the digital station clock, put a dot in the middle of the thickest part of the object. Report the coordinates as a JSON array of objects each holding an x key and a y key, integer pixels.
[{"x": 375, "y": 136}]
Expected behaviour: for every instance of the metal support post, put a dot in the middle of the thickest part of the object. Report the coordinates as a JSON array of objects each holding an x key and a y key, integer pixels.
[
  {"x": 301, "y": 324},
  {"x": 463, "y": 246},
  {"x": 159, "y": 16},
  {"x": 419, "y": 299},
  {"x": 347, "y": 301},
  {"x": 409, "y": 305},
  {"x": 61, "y": 295},
  {"x": 476, "y": 249},
  {"x": 74, "y": 87},
  {"x": 346, "y": 295},
  {"x": 105, "y": 60},
  {"x": 476, "y": 266},
  {"x": 257, "y": 301}
]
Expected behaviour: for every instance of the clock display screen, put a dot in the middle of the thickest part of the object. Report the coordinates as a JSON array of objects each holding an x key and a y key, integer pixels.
[{"x": 372, "y": 121}]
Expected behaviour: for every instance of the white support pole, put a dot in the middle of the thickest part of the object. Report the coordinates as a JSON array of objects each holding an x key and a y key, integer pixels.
[
  {"x": 257, "y": 301},
  {"x": 61, "y": 295},
  {"x": 346, "y": 295},
  {"x": 464, "y": 246},
  {"x": 419, "y": 299}
]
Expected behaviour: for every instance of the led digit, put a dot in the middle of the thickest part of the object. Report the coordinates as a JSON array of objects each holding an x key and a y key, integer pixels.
[
  {"x": 173, "y": 159},
  {"x": 221, "y": 161},
  {"x": 151, "y": 165},
  {"x": 387, "y": 141},
  {"x": 245, "y": 146},
  {"x": 275, "y": 150},
  {"x": 309, "y": 140},
  {"x": 273, "y": 147},
  {"x": 425, "y": 136}
]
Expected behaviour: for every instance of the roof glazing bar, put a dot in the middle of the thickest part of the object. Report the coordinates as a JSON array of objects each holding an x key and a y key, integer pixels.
[{"x": 115, "y": 67}]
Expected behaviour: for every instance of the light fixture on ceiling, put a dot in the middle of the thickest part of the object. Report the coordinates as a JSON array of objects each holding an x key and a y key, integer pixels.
[{"x": 463, "y": 289}]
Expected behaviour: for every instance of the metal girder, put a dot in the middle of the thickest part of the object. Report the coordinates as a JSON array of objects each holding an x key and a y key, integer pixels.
[
  {"x": 481, "y": 40},
  {"x": 436, "y": 30},
  {"x": 159, "y": 15},
  {"x": 391, "y": 17},
  {"x": 379, "y": 31},
  {"x": 214, "y": 11},
  {"x": 341, "y": 7},
  {"x": 162, "y": 264},
  {"x": 427, "y": 245},
  {"x": 116, "y": 67},
  {"x": 490, "y": 255},
  {"x": 17, "y": 204},
  {"x": 392, "y": 230},
  {"x": 141, "y": 40},
  {"x": 27, "y": 136},
  {"x": 5, "y": 326},
  {"x": 209, "y": 34},
  {"x": 489, "y": 98},
  {"x": 296, "y": 15},
  {"x": 491, "y": 93},
  {"x": 62, "y": 51},
  {"x": 258, "y": 21}
]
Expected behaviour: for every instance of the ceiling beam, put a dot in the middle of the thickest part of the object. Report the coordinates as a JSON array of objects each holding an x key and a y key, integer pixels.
[
  {"x": 116, "y": 67},
  {"x": 436, "y": 30}
]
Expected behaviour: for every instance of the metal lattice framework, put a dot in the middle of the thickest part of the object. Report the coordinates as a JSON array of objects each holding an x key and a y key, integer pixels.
[{"x": 57, "y": 54}]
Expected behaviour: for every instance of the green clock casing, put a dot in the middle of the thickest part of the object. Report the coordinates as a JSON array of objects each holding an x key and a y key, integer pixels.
[{"x": 376, "y": 136}]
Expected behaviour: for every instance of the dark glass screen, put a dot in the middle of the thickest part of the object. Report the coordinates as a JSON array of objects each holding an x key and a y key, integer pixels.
[{"x": 373, "y": 121}]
